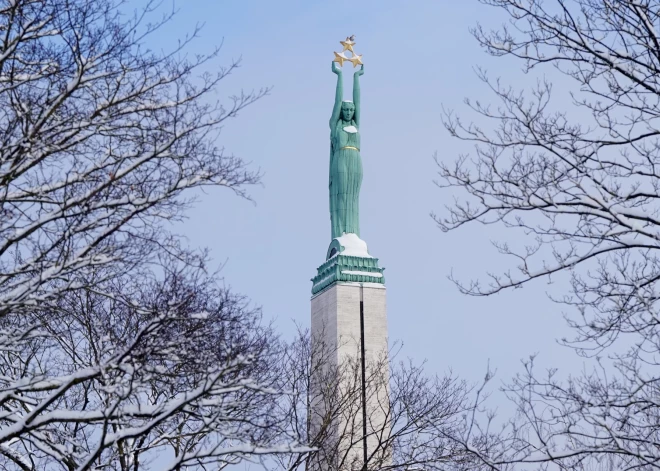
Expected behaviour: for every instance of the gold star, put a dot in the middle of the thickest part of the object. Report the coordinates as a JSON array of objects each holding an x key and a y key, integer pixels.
[
  {"x": 348, "y": 45},
  {"x": 356, "y": 59},
  {"x": 340, "y": 57}
]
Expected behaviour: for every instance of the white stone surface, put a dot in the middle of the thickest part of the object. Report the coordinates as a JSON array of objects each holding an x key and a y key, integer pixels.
[
  {"x": 336, "y": 325},
  {"x": 336, "y": 315}
]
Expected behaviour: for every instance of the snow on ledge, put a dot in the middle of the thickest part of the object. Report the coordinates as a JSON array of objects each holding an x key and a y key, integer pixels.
[
  {"x": 364, "y": 273},
  {"x": 353, "y": 246}
]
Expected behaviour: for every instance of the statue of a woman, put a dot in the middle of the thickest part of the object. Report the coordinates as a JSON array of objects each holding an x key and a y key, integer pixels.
[{"x": 345, "y": 161}]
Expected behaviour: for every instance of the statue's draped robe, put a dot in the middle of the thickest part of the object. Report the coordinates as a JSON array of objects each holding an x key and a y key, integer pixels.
[{"x": 345, "y": 180}]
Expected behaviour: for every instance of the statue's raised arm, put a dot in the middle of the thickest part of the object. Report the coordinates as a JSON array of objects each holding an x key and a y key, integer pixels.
[
  {"x": 339, "y": 95},
  {"x": 356, "y": 95}
]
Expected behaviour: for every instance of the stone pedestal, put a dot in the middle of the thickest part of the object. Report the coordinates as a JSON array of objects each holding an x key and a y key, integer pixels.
[
  {"x": 336, "y": 319},
  {"x": 349, "y": 336}
]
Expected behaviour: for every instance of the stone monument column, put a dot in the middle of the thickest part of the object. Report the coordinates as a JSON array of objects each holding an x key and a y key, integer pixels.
[{"x": 349, "y": 318}]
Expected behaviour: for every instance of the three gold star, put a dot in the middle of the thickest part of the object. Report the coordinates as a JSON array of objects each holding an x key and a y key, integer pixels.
[
  {"x": 340, "y": 57},
  {"x": 355, "y": 59},
  {"x": 348, "y": 44}
]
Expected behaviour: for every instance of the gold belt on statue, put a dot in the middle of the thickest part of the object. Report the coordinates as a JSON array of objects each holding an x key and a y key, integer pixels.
[{"x": 350, "y": 147}]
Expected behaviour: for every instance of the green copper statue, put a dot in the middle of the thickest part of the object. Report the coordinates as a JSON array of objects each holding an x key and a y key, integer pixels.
[
  {"x": 345, "y": 161},
  {"x": 347, "y": 259}
]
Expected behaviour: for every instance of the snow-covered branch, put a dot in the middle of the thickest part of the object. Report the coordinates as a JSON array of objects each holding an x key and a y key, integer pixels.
[
  {"x": 117, "y": 349},
  {"x": 583, "y": 194}
]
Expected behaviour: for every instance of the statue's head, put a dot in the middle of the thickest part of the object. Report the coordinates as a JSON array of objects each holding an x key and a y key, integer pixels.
[{"x": 347, "y": 110}]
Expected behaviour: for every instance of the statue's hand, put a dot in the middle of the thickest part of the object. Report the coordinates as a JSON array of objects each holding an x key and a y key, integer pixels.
[
  {"x": 361, "y": 71},
  {"x": 336, "y": 69}
]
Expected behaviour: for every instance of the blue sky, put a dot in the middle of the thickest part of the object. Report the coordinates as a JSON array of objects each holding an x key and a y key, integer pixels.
[{"x": 419, "y": 56}]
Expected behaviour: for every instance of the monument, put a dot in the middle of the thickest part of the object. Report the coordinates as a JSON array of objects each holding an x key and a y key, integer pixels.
[{"x": 348, "y": 292}]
